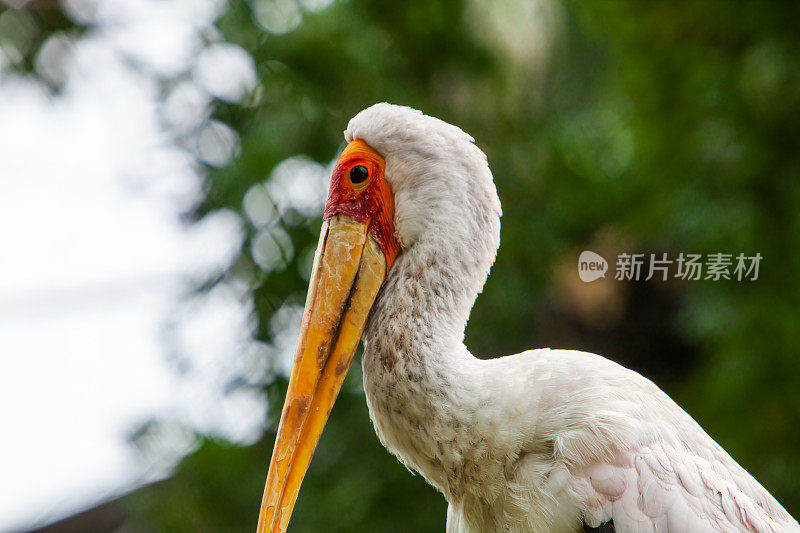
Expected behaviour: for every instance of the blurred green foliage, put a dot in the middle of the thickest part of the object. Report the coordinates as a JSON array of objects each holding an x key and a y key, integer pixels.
[{"x": 611, "y": 126}]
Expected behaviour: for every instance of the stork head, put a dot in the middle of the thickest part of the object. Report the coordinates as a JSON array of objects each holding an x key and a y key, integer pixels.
[{"x": 403, "y": 178}]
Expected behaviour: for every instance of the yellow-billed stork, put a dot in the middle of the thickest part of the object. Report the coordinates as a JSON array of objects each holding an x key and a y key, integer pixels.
[{"x": 545, "y": 440}]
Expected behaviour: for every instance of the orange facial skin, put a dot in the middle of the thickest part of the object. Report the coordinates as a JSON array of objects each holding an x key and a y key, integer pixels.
[{"x": 371, "y": 201}]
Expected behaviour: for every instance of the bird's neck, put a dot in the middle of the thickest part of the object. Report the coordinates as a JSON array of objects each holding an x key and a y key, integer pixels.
[{"x": 421, "y": 382}]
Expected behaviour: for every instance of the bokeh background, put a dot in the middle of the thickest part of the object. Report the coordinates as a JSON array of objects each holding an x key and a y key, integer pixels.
[{"x": 164, "y": 164}]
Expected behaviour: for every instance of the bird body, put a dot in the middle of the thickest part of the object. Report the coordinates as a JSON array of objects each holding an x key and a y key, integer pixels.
[
  {"x": 548, "y": 440},
  {"x": 542, "y": 441}
]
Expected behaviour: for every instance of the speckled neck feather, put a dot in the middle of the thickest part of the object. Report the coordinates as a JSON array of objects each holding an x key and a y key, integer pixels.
[{"x": 413, "y": 368}]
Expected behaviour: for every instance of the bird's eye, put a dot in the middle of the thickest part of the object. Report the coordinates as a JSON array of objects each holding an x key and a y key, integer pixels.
[{"x": 358, "y": 174}]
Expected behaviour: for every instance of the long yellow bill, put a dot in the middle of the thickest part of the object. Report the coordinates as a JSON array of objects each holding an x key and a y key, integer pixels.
[{"x": 349, "y": 268}]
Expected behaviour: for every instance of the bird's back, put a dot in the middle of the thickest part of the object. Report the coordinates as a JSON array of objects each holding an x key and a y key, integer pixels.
[{"x": 586, "y": 441}]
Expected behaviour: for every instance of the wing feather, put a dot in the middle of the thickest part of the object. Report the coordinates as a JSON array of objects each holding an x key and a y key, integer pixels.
[
  {"x": 669, "y": 489},
  {"x": 632, "y": 455}
]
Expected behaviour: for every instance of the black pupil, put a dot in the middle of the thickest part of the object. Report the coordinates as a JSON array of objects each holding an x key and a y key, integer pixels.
[{"x": 358, "y": 174}]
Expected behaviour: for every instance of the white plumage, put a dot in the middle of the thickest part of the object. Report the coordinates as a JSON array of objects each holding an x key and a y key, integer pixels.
[{"x": 545, "y": 440}]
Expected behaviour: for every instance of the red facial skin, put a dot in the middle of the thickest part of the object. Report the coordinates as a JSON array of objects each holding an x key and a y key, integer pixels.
[{"x": 371, "y": 201}]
